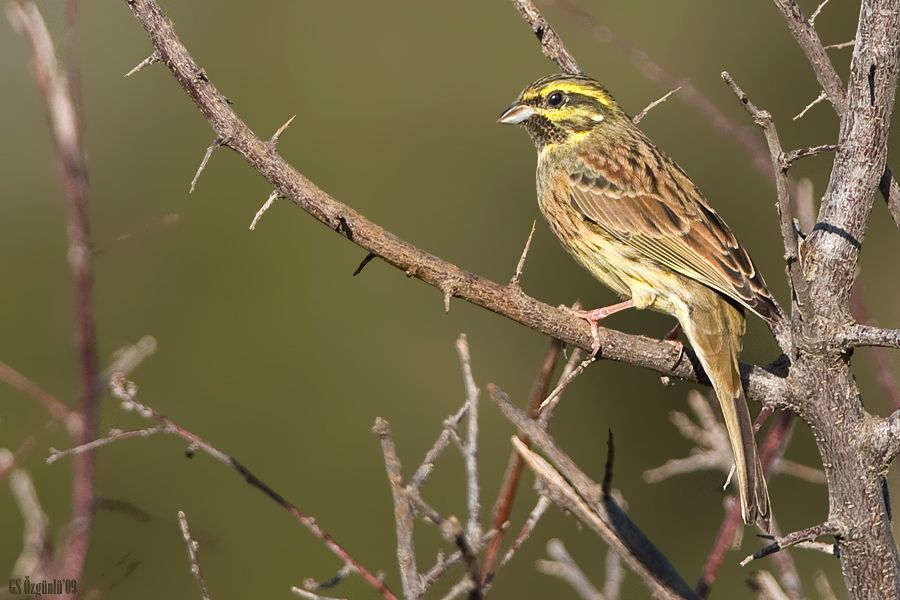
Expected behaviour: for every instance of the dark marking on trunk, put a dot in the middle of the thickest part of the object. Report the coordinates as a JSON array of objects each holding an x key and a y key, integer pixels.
[{"x": 872, "y": 85}]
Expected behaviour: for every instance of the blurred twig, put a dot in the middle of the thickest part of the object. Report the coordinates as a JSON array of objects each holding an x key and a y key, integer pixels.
[
  {"x": 192, "y": 547},
  {"x": 126, "y": 392},
  {"x": 62, "y": 100}
]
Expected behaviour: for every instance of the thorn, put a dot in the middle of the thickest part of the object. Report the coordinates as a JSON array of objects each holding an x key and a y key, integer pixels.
[
  {"x": 448, "y": 293},
  {"x": 216, "y": 143},
  {"x": 268, "y": 204},
  {"x": 521, "y": 264},
  {"x": 365, "y": 261},
  {"x": 273, "y": 141},
  {"x": 150, "y": 60}
]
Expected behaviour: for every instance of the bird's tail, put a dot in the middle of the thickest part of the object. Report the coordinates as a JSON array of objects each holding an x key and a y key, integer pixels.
[{"x": 715, "y": 330}]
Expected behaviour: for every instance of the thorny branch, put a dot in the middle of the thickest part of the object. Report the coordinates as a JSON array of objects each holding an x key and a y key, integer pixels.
[
  {"x": 832, "y": 250},
  {"x": 506, "y": 300},
  {"x": 126, "y": 392}
]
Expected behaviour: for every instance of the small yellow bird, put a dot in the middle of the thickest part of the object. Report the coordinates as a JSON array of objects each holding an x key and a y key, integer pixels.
[{"x": 633, "y": 218}]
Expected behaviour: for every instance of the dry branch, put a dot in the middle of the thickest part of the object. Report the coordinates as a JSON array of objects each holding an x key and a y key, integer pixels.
[
  {"x": 58, "y": 87},
  {"x": 509, "y": 301}
]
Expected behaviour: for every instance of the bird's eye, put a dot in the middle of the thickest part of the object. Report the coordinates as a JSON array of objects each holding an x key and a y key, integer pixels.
[{"x": 555, "y": 99}]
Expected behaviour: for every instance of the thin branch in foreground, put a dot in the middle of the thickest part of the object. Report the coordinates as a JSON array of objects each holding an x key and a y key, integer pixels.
[
  {"x": 57, "y": 410},
  {"x": 568, "y": 486},
  {"x": 192, "y": 547},
  {"x": 767, "y": 586},
  {"x": 470, "y": 448},
  {"x": 219, "y": 141},
  {"x": 311, "y": 595},
  {"x": 564, "y": 567},
  {"x": 792, "y": 539},
  {"x": 509, "y": 487},
  {"x": 551, "y": 45},
  {"x": 126, "y": 392},
  {"x": 640, "y": 116},
  {"x": 36, "y": 557},
  {"x": 403, "y": 513}
]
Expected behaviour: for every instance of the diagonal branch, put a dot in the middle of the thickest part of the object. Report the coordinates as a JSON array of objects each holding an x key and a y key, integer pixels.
[
  {"x": 551, "y": 45},
  {"x": 503, "y": 299}
]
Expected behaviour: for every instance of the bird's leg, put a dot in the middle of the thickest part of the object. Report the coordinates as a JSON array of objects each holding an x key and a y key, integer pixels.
[{"x": 593, "y": 317}]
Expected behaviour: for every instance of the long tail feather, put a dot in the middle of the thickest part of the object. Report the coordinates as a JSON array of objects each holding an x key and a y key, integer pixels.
[{"x": 715, "y": 330}]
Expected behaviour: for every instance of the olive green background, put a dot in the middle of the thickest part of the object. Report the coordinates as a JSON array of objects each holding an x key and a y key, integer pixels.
[{"x": 271, "y": 350}]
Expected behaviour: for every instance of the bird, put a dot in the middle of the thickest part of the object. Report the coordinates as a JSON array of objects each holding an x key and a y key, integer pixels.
[{"x": 634, "y": 219}]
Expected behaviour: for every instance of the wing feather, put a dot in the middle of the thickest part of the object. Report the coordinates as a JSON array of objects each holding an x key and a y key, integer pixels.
[{"x": 670, "y": 224}]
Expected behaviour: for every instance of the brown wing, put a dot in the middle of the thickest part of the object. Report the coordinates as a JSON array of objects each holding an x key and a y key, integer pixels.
[{"x": 663, "y": 215}]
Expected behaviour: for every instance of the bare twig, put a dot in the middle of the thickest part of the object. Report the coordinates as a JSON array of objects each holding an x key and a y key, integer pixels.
[
  {"x": 808, "y": 39},
  {"x": 311, "y": 595},
  {"x": 126, "y": 392},
  {"x": 792, "y": 539},
  {"x": 868, "y": 335},
  {"x": 806, "y": 109},
  {"x": 36, "y": 557},
  {"x": 192, "y": 547},
  {"x": 403, "y": 514},
  {"x": 470, "y": 448},
  {"x": 565, "y": 484},
  {"x": 817, "y": 12},
  {"x": 640, "y": 116},
  {"x": 440, "y": 444},
  {"x": 62, "y": 104},
  {"x": 508, "y": 489},
  {"x": 847, "y": 44},
  {"x": 565, "y": 567},
  {"x": 552, "y": 47},
  {"x": 767, "y": 586},
  {"x": 521, "y": 264},
  {"x": 785, "y": 214},
  {"x": 543, "y": 503},
  {"x": 788, "y": 158},
  {"x": 218, "y": 142},
  {"x": 265, "y": 207},
  {"x": 59, "y": 411}
]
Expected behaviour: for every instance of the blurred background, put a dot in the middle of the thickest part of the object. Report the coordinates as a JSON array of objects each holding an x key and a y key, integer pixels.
[{"x": 271, "y": 350}]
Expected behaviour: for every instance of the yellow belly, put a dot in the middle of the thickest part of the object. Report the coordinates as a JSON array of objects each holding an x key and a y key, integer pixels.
[{"x": 618, "y": 266}]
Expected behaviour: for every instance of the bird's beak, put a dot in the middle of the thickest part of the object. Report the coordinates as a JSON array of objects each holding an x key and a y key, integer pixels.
[{"x": 515, "y": 114}]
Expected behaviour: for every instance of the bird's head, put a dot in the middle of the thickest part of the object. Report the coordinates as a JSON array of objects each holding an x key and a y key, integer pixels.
[{"x": 556, "y": 108}]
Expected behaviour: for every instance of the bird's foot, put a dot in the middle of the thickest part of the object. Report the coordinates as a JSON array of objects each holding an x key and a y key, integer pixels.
[{"x": 593, "y": 317}]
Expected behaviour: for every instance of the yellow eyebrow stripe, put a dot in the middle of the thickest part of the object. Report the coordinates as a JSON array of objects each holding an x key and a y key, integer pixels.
[{"x": 574, "y": 88}]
